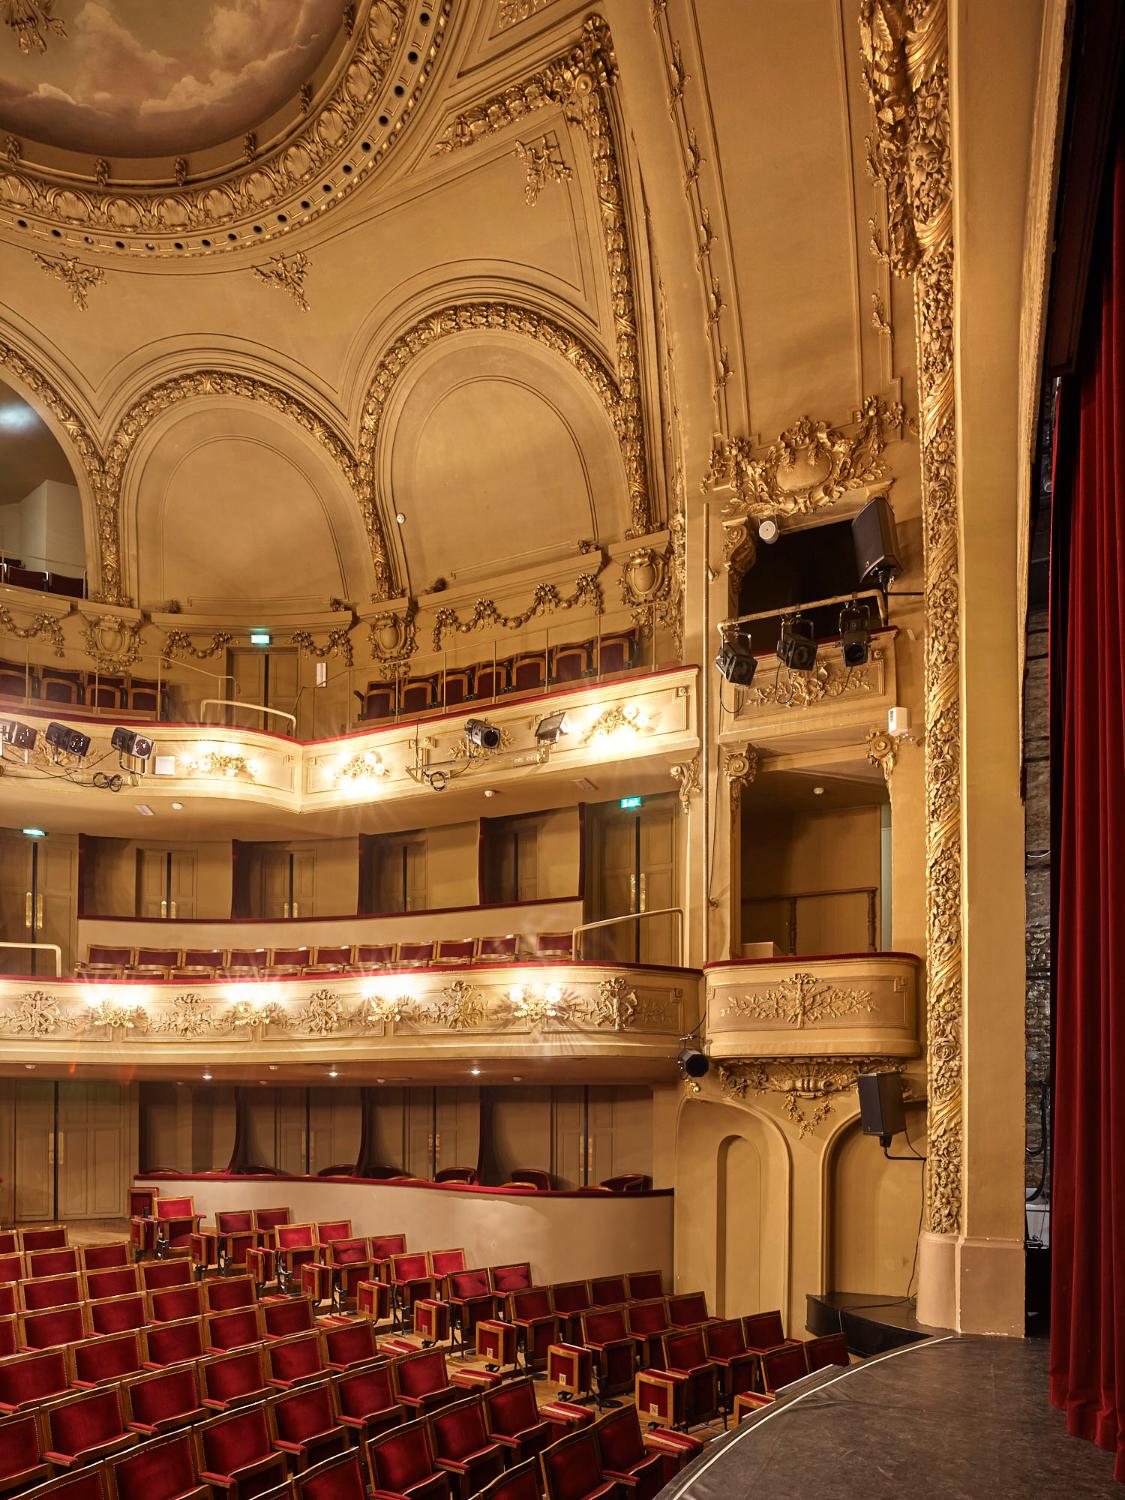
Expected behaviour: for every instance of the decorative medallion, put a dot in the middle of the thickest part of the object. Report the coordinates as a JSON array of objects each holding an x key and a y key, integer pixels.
[
  {"x": 461, "y": 1006},
  {"x": 113, "y": 644},
  {"x": 394, "y": 638},
  {"x": 616, "y": 1004},
  {"x": 882, "y": 751},
  {"x": 740, "y": 769}
]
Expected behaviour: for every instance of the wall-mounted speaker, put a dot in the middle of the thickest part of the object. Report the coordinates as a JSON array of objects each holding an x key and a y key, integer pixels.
[
  {"x": 881, "y": 1110},
  {"x": 876, "y": 543}
]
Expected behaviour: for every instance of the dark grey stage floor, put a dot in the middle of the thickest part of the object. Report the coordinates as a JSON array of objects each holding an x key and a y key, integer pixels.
[{"x": 948, "y": 1417}]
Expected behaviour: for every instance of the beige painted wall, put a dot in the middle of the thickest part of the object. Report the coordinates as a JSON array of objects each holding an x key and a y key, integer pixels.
[{"x": 109, "y": 877}]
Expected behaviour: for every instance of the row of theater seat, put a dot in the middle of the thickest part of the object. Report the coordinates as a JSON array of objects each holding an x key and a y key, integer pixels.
[
  {"x": 118, "y": 961},
  {"x": 66, "y": 687},
  {"x": 45, "y": 580},
  {"x": 565, "y": 665}
]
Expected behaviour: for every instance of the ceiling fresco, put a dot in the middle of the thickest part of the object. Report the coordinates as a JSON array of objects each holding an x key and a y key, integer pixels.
[{"x": 137, "y": 79}]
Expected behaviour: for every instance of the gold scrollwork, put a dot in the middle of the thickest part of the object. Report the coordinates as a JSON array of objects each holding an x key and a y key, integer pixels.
[
  {"x": 809, "y": 1086},
  {"x": 461, "y": 1006},
  {"x": 337, "y": 642},
  {"x": 45, "y": 625},
  {"x": 287, "y": 273},
  {"x": 179, "y": 643},
  {"x": 828, "y": 679},
  {"x": 546, "y": 599},
  {"x": 544, "y": 163},
  {"x": 687, "y": 774},
  {"x": 77, "y": 278},
  {"x": 741, "y": 770},
  {"x": 800, "y": 1000}
]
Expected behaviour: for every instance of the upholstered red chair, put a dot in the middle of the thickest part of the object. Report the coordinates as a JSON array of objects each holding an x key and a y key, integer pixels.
[
  {"x": 422, "y": 1382},
  {"x": 511, "y": 1413},
  {"x": 294, "y": 1244},
  {"x": 333, "y": 959},
  {"x": 153, "y": 963},
  {"x": 12, "y": 1267},
  {"x": 21, "y": 1453},
  {"x": 514, "y": 1278},
  {"x": 226, "y": 1244},
  {"x": 471, "y": 1301},
  {"x": 105, "y": 1257},
  {"x": 246, "y": 963},
  {"x": 445, "y": 1263},
  {"x": 295, "y": 1361},
  {"x": 624, "y": 1456},
  {"x": 338, "y": 1478},
  {"x": 86, "y": 1428},
  {"x": 225, "y": 1293},
  {"x": 104, "y": 961},
  {"x": 235, "y": 1329},
  {"x": 9, "y": 1241},
  {"x": 227, "y": 1380},
  {"x": 164, "y": 1400},
  {"x": 99, "y": 1360},
  {"x": 688, "y": 1310},
  {"x": 9, "y": 1301},
  {"x": 171, "y": 1302},
  {"x": 555, "y": 946},
  {"x": 288, "y": 963},
  {"x": 383, "y": 1248},
  {"x": 28, "y": 1379},
  {"x": 763, "y": 1331},
  {"x": 463, "y": 1448},
  {"x": 176, "y": 1222},
  {"x": 366, "y": 1400},
  {"x": 52, "y": 1291},
  {"x": 571, "y": 1299},
  {"x": 401, "y": 1463},
  {"x": 498, "y": 950},
  {"x": 286, "y": 1316},
  {"x": 118, "y": 1314},
  {"x": 643, "y": 1286},
  {"x": 627, "y": 1182},
  {"x": 163, "y": 1470},
  {"x": 572, "y": 1469},
  {"x": 828, "y": 1349},
  {"x": 537, "y": 1327},
  {"x": 349, "y": 1262},
  {"x": 727, "y": 1351},
  {"x": 687, "y": 1364},
  {"x": 606, "y": 1334},
  {"x": 172, "y": 1343},
  {"x": 203, "y": 962},
  {"x": 92, "y": 1482},
  {"x": 162, "y": 1273},
  {"x": 349, "y": 1344},
  {"x": 113, "y": 1281},
  {"x": 608, "y": 1291},
  {"x": 415, "y": 955},
  {"x": 647, "y": 1323},
  {"x": 236, "y": 1453},
  {"x": 571, "y": 662},
  {"x": 55, "y": 1325},
  {"x": 410, "y": 1281},
  {"x": 520, "y": 1483},
  {"x": 306, "y": 1424},
  {"x": 373, "y": 1300},
  {"x": 9, "y": 1336},
  {"x": 141, "y": 1208},
  {"x": 372, "y": 956},
  {"x": 674, "y": 1449},
  {"x": 61, "y": 1262},
  {"x": 781, "y": 1367}
]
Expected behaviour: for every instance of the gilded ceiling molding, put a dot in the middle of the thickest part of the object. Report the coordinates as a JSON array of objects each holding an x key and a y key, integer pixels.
[
  {"x": 287, "y": 274},
  {"x": 32, "y": 22},
  {"x": 76, "y": 277},
  {"x": 258, "y": 181},
  {"x": 510, "y": 13},
  {"x": 905, "y": 52},
  {"x": 809, "y": 1086},
  {"x": 40, "y": 625},
  {"x": 545, "y": 163},
  {"x": 545, "y": 599},
  {"x": 741, "y": 770},
  {"x": 580, "y": 82}
]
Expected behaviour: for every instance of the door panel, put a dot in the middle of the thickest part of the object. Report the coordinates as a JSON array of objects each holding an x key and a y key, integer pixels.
[
  {"x": 458, "y": 1127},
  {"x": 658, "y": 883},
  {"x": 152, "y": 882},
  {"x": 15, "y": 895},
  {"x": 568, "y": 1152},
  {"x": 183, "y": 883},
  {"x": 304, "y": 883},
  {"x": 92, "y": 1149},
  {"x": 273, "y": 870},
  {"x": 34, "y": 1153}
]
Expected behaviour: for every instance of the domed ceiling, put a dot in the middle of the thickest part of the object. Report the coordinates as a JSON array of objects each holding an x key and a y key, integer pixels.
[{"x": 130, "y": 78}]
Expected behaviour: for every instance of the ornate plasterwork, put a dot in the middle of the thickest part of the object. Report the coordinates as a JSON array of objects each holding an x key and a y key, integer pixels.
[
  {"x": 117, "y": 1016},
  {"x": 686, "y": 773},
  {"x": 580, "y": 81},
  {"x": 393, "y": 638},
  {"x": 191, "y": 1016},
  {"x": 322, "y": 1014},
  {"x": 337, "y": 642},
  {"x": 545, "y": 599},
  {"x": 39, "y": 625},
  {"x": 652, "y": 585},
  {"x": 461, "y": 1006},
  {"x": 740, "y": 769},
  {"x": 32, "y": 22},
  {"x": 800, "y": 1000},
  {"x": 882, "y": 751},
  {"x": 76, "y": 277},
  {"x": 267, "y": 183},
  {"x": 544, "y": 163},
  {"x": 828, "y": 679},
  {"x": 510, "y": 12},
  {"x": 905, "y": 52},
  {"x": 287, "y": 273},
  {"x": 35, "y": 1014},
  {"x": 112, "y": 643},
  {"x": 809, "y": 1086}
]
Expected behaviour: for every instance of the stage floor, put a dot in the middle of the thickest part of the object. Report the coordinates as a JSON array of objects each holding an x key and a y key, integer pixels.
[{"x": 950, "y": 1417}]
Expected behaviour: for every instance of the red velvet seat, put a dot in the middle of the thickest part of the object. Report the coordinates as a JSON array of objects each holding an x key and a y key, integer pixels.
[
  {"x": 235, "y": 1329},
  {"x": 52, "y": 1291},
  {"x": 161, "y": 1273},
  {"x": 445, "y": 1263},
  {"x": 172, "y": 1302},
  {"x": 828, "y": 1349},
  {"x": 9, "y": 1301},
  {"x": 763, "y": 1331},
  {"x": 86, "y": 1428},
  {"x": 647, "y": 1323},
  {"x": 105, "y": 1257},
  {"x": 367, "y": 1401},
  {"x": 628, "y": 1182},
  {"x": 415, "y": 955},
  {"x": 537, "y": 1327},
  {"x": 606, "y": 1334},
  {"x": 294, "y": 1361},
  {"x": 781, "y": 1367},
  {"x": 55, "y": 1325},
  {"x": 92, "y": 1482},
  {"x": 512, "y": 1414},
  {"x": 98, "y": 1360},
  {"x": 113, "y": 1281},
  {"x": 498, "y": 950},
  {"x": 463, "y": 1448},
  {"x": 643, "y": 1286},
  {"x": 686, "y": 1362},
  {"x": 350, "y": 1344},
  {"x": 401, "y": 1463},
  {"x": 338, "y": 1478},
  {"x": 284, "y": 1317},
  {"x": 532, "y": 1177},
  {"x": 383, "y": 1248},
  {"x": 557, "y": 946},
  {"x": 471, "y": 1300},
  {"x": 513, "y": 1278},
  {"x": 164, "y": 1400},
  {"x": 162, "y": 1470},
  {"x": 571, "y": 1299},
  {"x": 225, "y": 1293},
  {"x": 172, "y": 1343},
  {"x": 572, "y": 1469},
  {"x": 689, "y": 1310},
  {"x": 307, "y": 1428},
  {"x": 12, "y": 1267},
  {"x": 608, "y": 1291},
  {"x": 21, "y": 1454},
  {"x": 9, "y": 1336},
  {"x": 246, "y": 962},
  {"x": 373, "y": 1300},
  {"x": 118, "y": 1314},
  {"x": 372, "y": 956},
  {"x": 349, "y": 1261},
  {"x": 28, "y": 1379},
  {"x": 422, "y": 1382},
  {"x": 176, "y": 1222},
  {"x": 737, "y": 1365},
  {"x": 294, "y": 1244},
  {"x": 237, "y": 1456},
  {"x": 333, "y": 959},
  {"x": 624, "y": 1456},
  {"x": 59, "y": 1262},
  {"x": 204, "y": 960},
  {"x": 287, "y": 963},
  {"x": 227, "y": 1380},
  {"x": 45, "y": 1237},
  {"x": 9, "y": 1241},
  {"x": 520, "y": 1483},
  {"x": 410, "y": 1281}
]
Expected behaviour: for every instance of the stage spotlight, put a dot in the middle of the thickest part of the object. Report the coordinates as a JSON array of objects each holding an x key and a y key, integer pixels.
[
  {"x": 796, "y": 647},
  {"x": 129, "y": 742},
  {"x": 693, "y": 1063},
  {"x": 19, "y": 736},
  {"x": 736, "y": 660},
  {"x": 483, "y": 734},
  {"x": 855, "y": 634},
  {"x": 67, "y": 741},
  {"x": 550, "y": 730}
]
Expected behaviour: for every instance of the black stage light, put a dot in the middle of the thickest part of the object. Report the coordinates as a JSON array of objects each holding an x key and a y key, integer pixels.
[
  {"x": 876, "y": 543},
  {"x": 19, "y": 736},
  {"x": 693, "y": 1063},
  {"x": 881, "y": 1110},
  {"x": 736, "y": 660},
  {"x": 129, "y": 742},
  {"x": 855, "y": 634},
  {"x": 551, "y": 729},
  {"x": 796, "y": 647},
  {"x": 480, "y": 732},
  {"x": 69, "y": 741}
]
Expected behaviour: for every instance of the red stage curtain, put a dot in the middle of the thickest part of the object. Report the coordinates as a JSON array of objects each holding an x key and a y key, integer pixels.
[{"x": 1088, "y": 764}]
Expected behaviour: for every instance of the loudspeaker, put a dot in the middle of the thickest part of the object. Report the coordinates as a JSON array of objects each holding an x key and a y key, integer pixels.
[
  {"x": 880, "y": 1105},
  {"x": 876, "y": 542}
]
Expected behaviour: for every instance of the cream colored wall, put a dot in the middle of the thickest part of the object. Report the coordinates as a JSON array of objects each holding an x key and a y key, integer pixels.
[
  {"x": 336, "y": 1122},
  {"x": 451, "y": 865},
  {"x": 113, "y": 890},
  {"x": 559, "y": 853},
  {"x": 873, "y": 1206}
]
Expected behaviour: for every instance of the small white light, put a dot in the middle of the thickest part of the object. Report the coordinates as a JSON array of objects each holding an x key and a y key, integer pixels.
[
  {"x": 517, "y": 1077},
  {"x": 489, "y": 791},
  {"x": 818, "y": 791},
  {"x": 30, "y": 1067},
  {"x": 400, "y": 518},
  {"x": 273, "y": 1067},
  {"x": 380, "y": 1080},
  {"x": 475, "y": 1072},
  {"x": 206, "y": 1078},
  {"x": 177, "y": 807},
  {"x": 332, "y": 1073},
  {"x": 145, "y": 811},
  {"x": 768, "y": 531}
]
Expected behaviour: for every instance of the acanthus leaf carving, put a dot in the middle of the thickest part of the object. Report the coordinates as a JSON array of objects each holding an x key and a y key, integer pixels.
[{"x": 801, "y": 1000}]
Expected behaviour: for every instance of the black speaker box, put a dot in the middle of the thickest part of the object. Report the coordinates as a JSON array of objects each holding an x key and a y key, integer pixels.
[
  {"x": 880, "y": 1104},
  {"x": 876, "y": 542}
]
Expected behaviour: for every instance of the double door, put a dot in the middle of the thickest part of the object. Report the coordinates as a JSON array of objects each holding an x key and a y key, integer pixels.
[
  {"x": 37, "y": 901},
  {"x": 266, "y": 677},
  {"x": 166, "y": 883},
  {"x": 631, "y": 865}
]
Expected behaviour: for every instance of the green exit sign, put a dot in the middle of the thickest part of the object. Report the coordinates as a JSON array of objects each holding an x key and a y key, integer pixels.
[
  {"x": 260, "y": 637},
  {"x": 628, "y": 802}
]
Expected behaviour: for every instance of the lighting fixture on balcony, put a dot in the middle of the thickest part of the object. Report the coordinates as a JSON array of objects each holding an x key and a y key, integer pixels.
[
  {"x": 693, "y": 1063},
  {"x": 796, "y": 646},
  {"x": 481, "y": 733},
  {"x": 855, "y": 634},
  {"x": 19, "y": 736},
  {"x": 550, "y": 730},
  {"x": 134, "y": 751},
  {"x": 736, "y": 660},
  {"x": 66, "y": 743}
]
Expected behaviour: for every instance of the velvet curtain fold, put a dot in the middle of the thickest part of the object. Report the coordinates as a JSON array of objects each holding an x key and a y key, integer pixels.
[{"x": 1088, "y": 785}]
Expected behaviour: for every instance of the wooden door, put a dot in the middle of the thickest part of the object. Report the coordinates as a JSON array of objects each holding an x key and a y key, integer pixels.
[
  {"x": 152, "y": 882},
  {"x": 618, "y": 1130},
  {"x": 658, "y": 885},
  {"x": 93, "y": 1149},
  {"x": 568, "y": 1147},
  {"x": 302, "y": 875},
  {"x": 292, "y": 1131},
  {"x": 34, "y": 1187},
  {"x": 182, "y": 883},
  {"x": 15, "y": 902},
  {"x": 273, "y": 882},
  {"x": 458, "y": 1127},
  {"x": 284, "y": 687},
  {"x": 612, "y": 887},
  {"x": 419, "y": 1132},
  {"x": 247, "y": 669}
]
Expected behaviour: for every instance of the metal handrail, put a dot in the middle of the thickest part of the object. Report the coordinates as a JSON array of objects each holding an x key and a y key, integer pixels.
[
  {"x": 633, "y": 916},
  {"x": 254, "y": 708},
  {"x": 793, "y": 609},
  {"x": 48, "y": 947}
]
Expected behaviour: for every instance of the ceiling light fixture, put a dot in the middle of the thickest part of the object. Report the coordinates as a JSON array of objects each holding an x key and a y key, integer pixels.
[
  {"x": 333, "y": 1073},
  {"x": 177, "y": 807},
  {"x": 206, "y": 1078},
  {"x": 475, "y": 1072}
]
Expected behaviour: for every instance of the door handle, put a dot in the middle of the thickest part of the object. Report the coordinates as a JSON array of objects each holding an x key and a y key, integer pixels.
[
  {"x": 62, "y": 1149},
  {"x": 39, "y": 912},
  {"x": 296, "y": 909},
  {"x": 285, "y": 909},
  {"x": 632, "y": 893},
  {"x": 644, "y": 892},
  {"x": 50, "y": 1150},
  {"x": 173, "y": 911},
  {"x": 27, "y": 919},
  {"x": 164, "y": 908}
]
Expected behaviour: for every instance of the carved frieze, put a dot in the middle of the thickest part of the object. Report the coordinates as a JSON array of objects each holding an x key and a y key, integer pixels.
[
  {"x": 798, "y": 1000},
  {"x": 546, "y": 599},
  {"x": 809, "y": 1087}
]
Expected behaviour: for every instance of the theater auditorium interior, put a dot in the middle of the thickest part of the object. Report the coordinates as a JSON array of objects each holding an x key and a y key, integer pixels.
[{"x": 562, "y": 649}]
